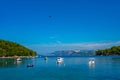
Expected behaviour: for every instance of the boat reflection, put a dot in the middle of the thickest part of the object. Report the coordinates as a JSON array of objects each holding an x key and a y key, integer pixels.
[{"x": 12, "y": 62}]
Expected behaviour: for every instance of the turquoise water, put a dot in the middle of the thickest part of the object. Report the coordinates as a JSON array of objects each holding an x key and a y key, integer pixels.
[{"x": 73, "y": 68}]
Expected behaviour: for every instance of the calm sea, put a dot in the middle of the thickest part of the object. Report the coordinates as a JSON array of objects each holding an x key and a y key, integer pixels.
[{"x": 73, "y": 68}]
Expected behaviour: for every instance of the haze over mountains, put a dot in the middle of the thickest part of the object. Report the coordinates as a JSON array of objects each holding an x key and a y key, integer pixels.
[{"x": 72, "y": 53}]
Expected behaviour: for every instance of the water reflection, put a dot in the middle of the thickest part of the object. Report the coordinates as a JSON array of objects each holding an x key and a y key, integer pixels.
[
  {"x": 61, "y": 63},
  {"x": 11, "y": 62},
  {"x": 18, "y": 62},
  {"x": 91, "y": 66},
  {"x": 7, "y": 64}
]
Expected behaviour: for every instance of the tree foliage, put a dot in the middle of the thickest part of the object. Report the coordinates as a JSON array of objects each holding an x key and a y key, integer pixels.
[
  {"x": 8, "y": 48},
  {"x": 115, "y": 50}
]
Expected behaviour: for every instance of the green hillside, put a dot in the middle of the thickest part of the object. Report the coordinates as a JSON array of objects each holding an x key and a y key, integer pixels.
[
  {"x": 9, "y": 49},
  {"x": 115, "y": 50}
]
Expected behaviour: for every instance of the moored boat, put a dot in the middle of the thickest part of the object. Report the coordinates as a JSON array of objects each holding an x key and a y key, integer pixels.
[
  {"x": 46, "y": 58},
  {"x": 19, "y": 59},
  {"x": 59, "y": 60},
  {"x": 30, "y": 65},
  {"x": 91, "y": 61}
]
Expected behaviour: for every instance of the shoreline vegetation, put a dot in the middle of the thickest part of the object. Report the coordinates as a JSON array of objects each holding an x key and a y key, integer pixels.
[
  {"x": 10, "y": 49},
  {"x": 113, "y": 51}
]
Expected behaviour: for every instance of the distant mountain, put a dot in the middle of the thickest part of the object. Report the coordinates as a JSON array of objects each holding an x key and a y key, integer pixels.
[
  {"x": 73, "y": 53},
  {"x": 10, "y": 49}
]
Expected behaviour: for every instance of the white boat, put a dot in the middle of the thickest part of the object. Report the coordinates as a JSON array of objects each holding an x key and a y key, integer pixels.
[
  {"x": 19, "y": 59},
  {"x": 59, "y": 60},
  {"x": 46, "y": 58},
  {"x": 91, "y": 61}
]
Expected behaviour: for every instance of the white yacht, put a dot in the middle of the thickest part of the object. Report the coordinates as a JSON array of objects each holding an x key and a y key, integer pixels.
[
  {"x": 91, "y": 61},
  {"x": 59, "y": 60}
]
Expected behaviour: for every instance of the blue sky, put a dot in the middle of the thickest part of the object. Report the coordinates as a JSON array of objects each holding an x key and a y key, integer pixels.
[{"x": 74, "y": 24}]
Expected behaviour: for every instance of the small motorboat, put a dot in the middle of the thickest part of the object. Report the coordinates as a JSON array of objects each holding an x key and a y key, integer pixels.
[
  {"x": 30, "y": 65},
  {"x": 59, "y": 60},
  {"x": 91, "y": 61},
  {"x": 46, "y": 58},
  {"x": 19, "y": 59}
]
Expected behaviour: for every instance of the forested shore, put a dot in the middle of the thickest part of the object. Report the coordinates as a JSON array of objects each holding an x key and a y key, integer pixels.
[
  {"x": 13, "y": 49},
  {"x": 115, "y": 50}
]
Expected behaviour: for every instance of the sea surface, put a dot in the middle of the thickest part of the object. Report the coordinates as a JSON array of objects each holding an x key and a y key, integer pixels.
[{"x": 73, "y": 68}]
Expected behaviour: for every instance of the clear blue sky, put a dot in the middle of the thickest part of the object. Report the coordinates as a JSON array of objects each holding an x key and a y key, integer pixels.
[{"x": 72, "y": 23}]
